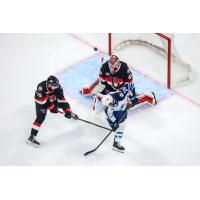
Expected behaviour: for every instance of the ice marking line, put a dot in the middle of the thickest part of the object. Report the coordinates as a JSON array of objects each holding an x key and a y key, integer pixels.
[
  {"x": 60, "y": 73},
  {"x": 187, "y": 98},
  {"x": 85, "y": 42}
]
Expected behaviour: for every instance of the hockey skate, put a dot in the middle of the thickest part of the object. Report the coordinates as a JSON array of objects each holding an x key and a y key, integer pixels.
[
  {"x": 118, "y": 147},
  {"x": 32, "y": 141}
]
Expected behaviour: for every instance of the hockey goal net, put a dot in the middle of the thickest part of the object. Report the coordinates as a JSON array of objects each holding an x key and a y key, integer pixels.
[{"x": 176, "y": 71}]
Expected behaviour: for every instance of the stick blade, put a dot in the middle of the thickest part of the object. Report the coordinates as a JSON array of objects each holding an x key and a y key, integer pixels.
[{"x": 89, "y": 152}]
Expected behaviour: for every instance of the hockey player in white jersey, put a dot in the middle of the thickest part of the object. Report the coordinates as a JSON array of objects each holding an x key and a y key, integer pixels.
[{"x": 115, "y": 107}]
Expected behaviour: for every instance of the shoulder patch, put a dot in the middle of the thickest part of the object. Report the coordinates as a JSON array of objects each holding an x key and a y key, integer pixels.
[{"x": 40, "y": 88}]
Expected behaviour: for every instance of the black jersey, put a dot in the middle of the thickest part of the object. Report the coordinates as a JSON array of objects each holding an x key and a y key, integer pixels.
[
  {"x": 118, "y": 79},
  {"x": 45, "y": 96}
]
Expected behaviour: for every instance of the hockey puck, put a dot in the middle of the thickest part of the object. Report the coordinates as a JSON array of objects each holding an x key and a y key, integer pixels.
[{"x": 95, "y": 49}]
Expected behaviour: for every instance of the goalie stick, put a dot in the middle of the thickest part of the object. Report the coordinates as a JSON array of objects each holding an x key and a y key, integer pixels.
[{"x": 95, "y": 97}]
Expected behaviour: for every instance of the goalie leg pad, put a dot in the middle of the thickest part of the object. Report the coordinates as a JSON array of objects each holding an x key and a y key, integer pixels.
[
  {"x": 98, "y": 88},
  {"x": 148, "y": 98}
]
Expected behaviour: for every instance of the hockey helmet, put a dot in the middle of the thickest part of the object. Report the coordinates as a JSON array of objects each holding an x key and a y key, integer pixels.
[
  {"x": 114, "y": 64},
  {"x": 52, "y": 81}
]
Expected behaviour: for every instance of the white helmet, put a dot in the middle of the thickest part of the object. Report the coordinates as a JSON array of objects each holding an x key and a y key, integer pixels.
[{"x": 107, "y": 100}]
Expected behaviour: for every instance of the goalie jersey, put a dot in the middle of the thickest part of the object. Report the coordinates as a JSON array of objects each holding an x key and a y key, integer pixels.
[{"x": 114, "y": 81}]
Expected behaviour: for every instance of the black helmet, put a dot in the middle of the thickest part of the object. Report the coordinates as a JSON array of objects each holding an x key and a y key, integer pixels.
[{"x": 53, "y": 81}]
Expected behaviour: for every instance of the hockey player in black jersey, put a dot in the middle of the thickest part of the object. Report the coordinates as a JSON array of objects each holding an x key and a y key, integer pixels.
[
  {"x": 48, "y": 96},
  {"x": 112, "y": 76}
]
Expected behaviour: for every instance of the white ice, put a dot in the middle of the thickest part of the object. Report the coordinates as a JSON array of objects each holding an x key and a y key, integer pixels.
[{"x": 165, "y": 134}]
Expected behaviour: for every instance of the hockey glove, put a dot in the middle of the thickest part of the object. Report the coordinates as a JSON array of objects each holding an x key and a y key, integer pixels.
[
  {"x": 74, "y": 116},
  {"x": 113, "y": 125},
  {"x": 68, "y": 114}
]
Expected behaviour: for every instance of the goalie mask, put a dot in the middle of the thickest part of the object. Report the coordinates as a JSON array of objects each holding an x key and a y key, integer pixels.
[{"x": 114, "y": 64}]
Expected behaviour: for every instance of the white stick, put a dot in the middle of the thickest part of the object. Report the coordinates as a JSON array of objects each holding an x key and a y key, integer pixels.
[{"x": 95, "y": 96}]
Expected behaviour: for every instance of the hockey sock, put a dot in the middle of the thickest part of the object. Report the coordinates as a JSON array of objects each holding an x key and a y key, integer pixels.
[
  {"x": 118, "y": 136},
  {"x": 34, "y": 132}
]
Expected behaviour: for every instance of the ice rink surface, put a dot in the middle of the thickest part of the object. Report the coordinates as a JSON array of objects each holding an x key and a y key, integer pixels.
[{"x": 165, "y": 134}]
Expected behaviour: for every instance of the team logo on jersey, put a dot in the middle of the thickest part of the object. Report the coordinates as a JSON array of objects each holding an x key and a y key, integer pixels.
[
  {"x": 52, "y": 98},
  {"x": 115, "y": 80},
  {"x": 107, "y": 74}
]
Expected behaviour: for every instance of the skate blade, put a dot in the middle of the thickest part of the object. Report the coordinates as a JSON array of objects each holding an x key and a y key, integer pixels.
[
  {"x": 154, "y": 98},
  {"x": 115, "y": 149},
  {"x": 32, "y": 144}
]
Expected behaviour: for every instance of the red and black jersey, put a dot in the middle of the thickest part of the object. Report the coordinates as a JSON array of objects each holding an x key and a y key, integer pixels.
[
  {"x": 118, "y": 79},
  {"x": 46, "y": 97}
]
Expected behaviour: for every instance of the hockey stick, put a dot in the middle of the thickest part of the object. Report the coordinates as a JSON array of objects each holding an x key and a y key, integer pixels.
[
  {"x": 83, "y": 120},
  {"x": 95, "y": 97},
  {"x": 94, "y": 124},
  {"x": 94, "y": 102},
  {"x": 93, "y": 150}
]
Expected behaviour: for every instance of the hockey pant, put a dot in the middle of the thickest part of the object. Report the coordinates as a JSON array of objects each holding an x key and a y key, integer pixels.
[{"x": 41, "y": 112}]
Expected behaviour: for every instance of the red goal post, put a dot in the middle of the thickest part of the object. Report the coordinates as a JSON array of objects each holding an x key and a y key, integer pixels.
[{"x": 166, "y": 49}]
